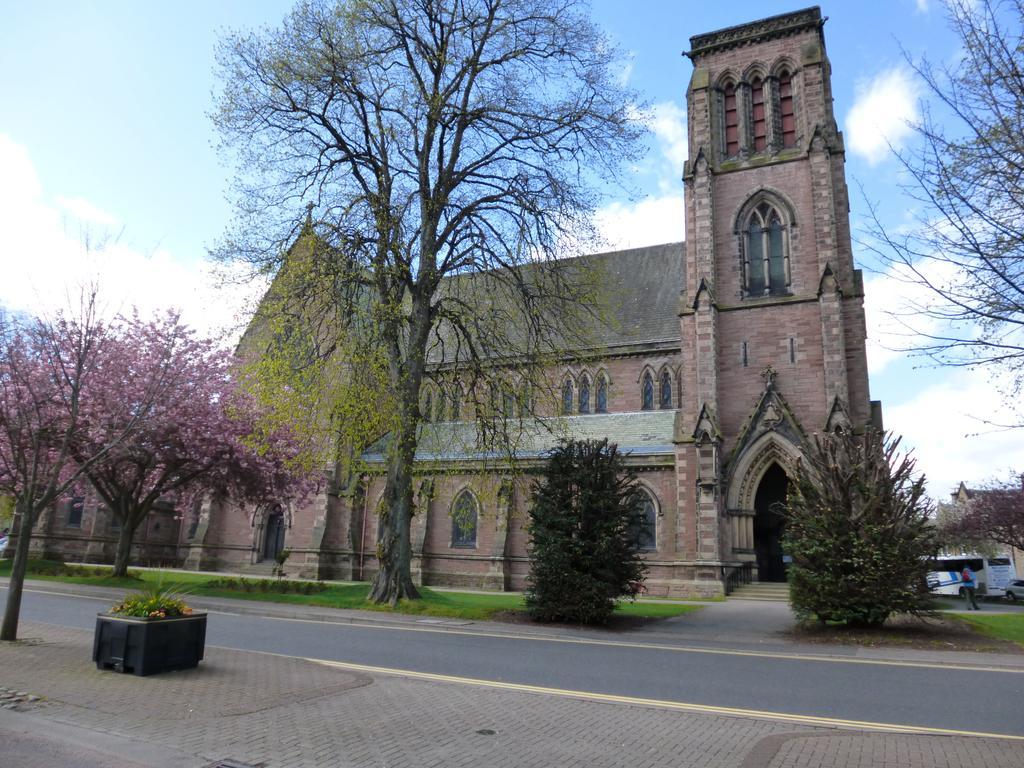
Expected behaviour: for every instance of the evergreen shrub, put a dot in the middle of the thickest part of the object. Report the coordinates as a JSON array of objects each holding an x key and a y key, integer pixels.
[
  {"x": 585, "y": 515},
  {"x": 859, "y": 531}
]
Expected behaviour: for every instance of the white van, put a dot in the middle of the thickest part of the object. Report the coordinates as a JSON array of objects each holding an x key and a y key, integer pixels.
[{"x": 993, "y": 574}]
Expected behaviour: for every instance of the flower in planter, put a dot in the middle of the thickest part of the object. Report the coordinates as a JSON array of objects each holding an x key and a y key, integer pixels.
[
  {"x": 158, "y": 602},
  {"x": 149, "y": 632}
]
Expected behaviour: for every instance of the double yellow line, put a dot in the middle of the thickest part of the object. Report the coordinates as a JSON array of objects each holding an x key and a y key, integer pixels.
[
  {"x": 811, "y": 720},
  {"x": 678, "y": 706}
]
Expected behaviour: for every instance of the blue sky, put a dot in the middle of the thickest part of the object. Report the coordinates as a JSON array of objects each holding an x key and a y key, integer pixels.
[{"x": 104, "y": 129}]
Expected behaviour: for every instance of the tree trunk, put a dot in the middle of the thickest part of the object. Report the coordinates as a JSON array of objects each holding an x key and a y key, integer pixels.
[
  {"x": 394, "y": 552},
  {"x": 394, "y": 578},
  {"x": 124, "y": 546},
  {"x": 9, "y": 630}
]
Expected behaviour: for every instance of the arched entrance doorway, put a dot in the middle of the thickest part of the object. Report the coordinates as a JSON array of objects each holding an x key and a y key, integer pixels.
[
  {"x": 273, "y": 541},
  {"x": 769, "y": 523}
]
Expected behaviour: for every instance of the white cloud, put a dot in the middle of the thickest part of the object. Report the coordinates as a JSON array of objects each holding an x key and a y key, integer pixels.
[
  {"x": 658, "y": 218},
  {"x": 922, "y": 6},
  {"x": 651, "y": 221},
  {"x": 951, "y": 419},
  {"x": 668, "y": 122},
  {"x": 946, "y": 426},
  {"x": 47, "y": 252},
  {"x": 882, "y": 114},
  {"x": 86, "y": 212},
  {"x": 893, "y": 305}
]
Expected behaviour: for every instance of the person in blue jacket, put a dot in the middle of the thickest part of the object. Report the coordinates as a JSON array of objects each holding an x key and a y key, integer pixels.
[{"x": 969, "y": 586}]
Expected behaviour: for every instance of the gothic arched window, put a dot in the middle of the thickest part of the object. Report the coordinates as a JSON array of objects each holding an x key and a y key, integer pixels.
[
  {"x": 665, "y": 394},
  {"x": 456, "y": 402},
  {"x": 509, "y": 403},
  {"x": 428, "y": 406},
  {"x": 645, "y": 528},
  {"x": 584, "y": 399},
  {"x": 601, "y": 406},
  {"x": 647, "y": 393},
  {"x": 465, "y": 513},
  {"x": 765, "y": 257},
  {"x": 494, "y": 398},
  {"x": 567, "y": 397}
]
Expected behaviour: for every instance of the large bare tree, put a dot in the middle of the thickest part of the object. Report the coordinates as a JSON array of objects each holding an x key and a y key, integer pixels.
[
  {"x": 450, "y": 150},
  {"x": 966, "y": 174}
]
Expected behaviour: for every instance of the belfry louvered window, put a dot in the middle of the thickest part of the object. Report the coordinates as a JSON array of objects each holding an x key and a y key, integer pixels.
[
  {"x": 787, "y": 117},
  {"x": 758, "y": 116},
  {"x": 732, "y": 121}
]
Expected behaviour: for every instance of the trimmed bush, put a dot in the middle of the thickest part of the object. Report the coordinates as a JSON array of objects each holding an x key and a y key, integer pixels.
[
  {"x": 280, "y": 586},
  {"x": 584, "y": 520},
  {"x": 58, "y": 568}
]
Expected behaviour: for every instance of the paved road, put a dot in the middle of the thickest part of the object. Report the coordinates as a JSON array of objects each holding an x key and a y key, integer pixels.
[{"x": 847, "y": 689}]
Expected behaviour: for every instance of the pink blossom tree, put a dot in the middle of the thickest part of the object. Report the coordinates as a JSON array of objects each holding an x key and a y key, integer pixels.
[
  {"x": 994, "y": 513},
  {"x": 203, "y": 436},
  {"x": 47, "y": 368},
  {"x": 140, "y": 410}
]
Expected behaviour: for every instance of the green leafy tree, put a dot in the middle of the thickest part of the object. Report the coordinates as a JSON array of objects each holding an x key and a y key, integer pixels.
[
  {"x": 584, "y": 519},
  {"x": 452, "y": 149},
  {"x": 859, "y": 530}
]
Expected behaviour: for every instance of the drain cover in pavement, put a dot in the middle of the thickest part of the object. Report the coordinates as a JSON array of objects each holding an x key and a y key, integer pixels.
[{"x": 234, "y": 764}]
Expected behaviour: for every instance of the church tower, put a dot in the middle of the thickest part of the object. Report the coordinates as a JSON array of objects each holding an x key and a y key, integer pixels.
[{"x": 772, "y": 315}]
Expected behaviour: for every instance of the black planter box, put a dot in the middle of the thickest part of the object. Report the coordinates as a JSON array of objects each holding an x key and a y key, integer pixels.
[{"x": 148, "y": 646}]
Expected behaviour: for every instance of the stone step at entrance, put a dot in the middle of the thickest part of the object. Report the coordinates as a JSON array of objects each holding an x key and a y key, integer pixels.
[
  {"x": 762, "y": 590},
  {"x": 263, "y": 569}
]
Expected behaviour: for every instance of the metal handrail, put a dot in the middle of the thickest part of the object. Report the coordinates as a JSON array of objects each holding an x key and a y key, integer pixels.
[{"x": 737, "y": 575}]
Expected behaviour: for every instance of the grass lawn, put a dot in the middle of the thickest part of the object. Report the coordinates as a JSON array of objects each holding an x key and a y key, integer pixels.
[
  {"x": 1003, "y": 626},
  {"x": 459, "y": 605}
]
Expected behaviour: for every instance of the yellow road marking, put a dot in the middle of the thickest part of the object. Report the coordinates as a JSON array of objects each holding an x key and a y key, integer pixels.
[
  {"x": 611, "y": 643},
  {"x": 667, "y": 704},
  {"x": 659, "y": 647}
]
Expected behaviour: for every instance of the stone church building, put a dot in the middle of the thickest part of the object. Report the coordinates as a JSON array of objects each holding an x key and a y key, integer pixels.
[{"x": 726, "y": 354}]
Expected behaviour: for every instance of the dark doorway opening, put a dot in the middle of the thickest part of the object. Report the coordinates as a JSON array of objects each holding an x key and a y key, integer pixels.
[
  {"x": 273, "y": 543},
  {"x": 769, "y": 523}
]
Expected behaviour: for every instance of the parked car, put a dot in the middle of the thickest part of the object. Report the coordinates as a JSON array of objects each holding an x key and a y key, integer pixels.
[
  {"x": 4, "y": 538},
  {"x": 1015, "y": 590}
]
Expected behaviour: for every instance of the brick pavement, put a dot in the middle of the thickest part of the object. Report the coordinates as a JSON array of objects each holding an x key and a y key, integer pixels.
[{"x": 280, "y": 712}]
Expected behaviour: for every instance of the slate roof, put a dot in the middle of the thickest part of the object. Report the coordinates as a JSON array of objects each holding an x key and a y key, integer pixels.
[
  {"x": 641, "y": 433},
  {"x": 638, "y": 294},
  {"x": 644, "y": 287}
]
